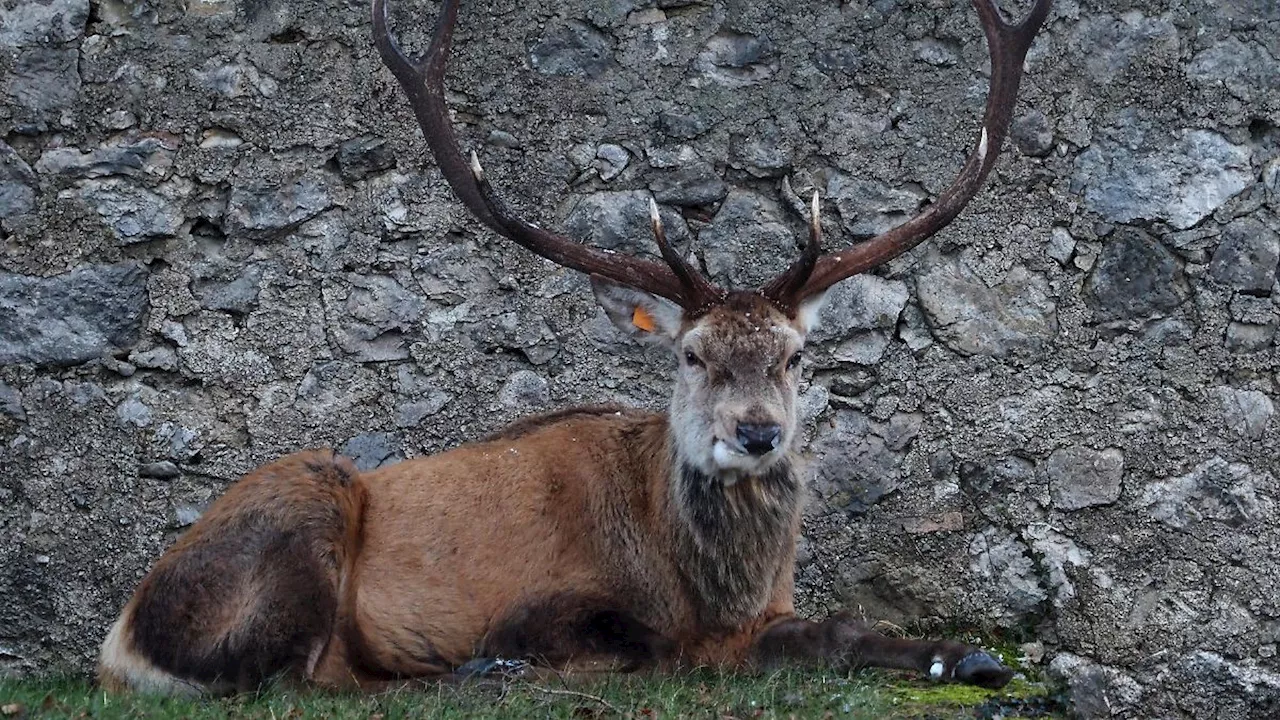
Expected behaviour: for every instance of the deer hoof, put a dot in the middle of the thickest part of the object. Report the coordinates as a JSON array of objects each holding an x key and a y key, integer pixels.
[{"x": 981, "y": 669}]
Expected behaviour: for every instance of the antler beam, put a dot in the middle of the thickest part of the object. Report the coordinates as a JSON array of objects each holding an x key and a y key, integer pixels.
[
  {"x": 423, "y": 83},
  {"x": 1008, "y": 45}
]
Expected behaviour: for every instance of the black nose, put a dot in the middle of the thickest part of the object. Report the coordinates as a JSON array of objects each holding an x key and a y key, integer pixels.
[{"x": 759, "y": 438}]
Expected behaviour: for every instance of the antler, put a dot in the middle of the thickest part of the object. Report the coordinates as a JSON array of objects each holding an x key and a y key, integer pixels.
[
  {"x": 1008, "y": 45},
  {"x": 423, "y": 83}
]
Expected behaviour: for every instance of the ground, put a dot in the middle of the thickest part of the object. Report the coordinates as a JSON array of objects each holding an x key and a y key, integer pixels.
[{"x": 705, "y": 694}]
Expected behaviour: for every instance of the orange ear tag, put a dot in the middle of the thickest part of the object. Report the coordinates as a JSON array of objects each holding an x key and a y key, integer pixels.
[{"x": 643, "y": 320}]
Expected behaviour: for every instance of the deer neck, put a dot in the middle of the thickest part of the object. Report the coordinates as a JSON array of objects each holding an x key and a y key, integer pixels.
[{"x": 733, "y": 534}]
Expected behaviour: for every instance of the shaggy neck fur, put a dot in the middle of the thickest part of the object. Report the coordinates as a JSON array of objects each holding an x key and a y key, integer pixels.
[{"x": 733, "y": 538}]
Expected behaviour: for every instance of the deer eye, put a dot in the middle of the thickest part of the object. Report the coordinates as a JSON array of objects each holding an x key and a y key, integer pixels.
[
  {"x": 795, "y": 360},
  {"x": 692, "y": 358}
]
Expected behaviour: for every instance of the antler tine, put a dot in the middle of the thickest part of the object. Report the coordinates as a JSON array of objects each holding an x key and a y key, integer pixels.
[
  {"x": 1008, "y": 45},
  {"x": 702, "y": 291},
  {"x": 423, "y": 83},
  {"x": 782, "y": 289}
]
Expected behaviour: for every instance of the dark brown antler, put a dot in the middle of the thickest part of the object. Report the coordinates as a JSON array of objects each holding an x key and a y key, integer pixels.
[
  {"x": 423, "y": 83},
  {"x": 1008, "y": 45}
]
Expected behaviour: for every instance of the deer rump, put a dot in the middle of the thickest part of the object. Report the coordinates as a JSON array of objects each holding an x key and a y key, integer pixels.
[{"x": 597, "y": 538}]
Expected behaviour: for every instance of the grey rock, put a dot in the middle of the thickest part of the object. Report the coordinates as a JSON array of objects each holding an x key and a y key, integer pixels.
[
  {"x": 378, "y": 311},
  {"x": 1214, "y": 490},
  {"x": 524, "y": 389},
  {"x": 363, "y": 156},
  {"x": 735, "y": 60},
  {"x": 1080, "y": 477},
  {"x": 1109, "y": 45},
  {"x": 18, "y": 184},
  {"x": 134, "y": 412},
  {"x": 933, "y": 51},
  {"x": 682, "y": 126},
  {"x": 858, "y": 459},
  {"x": 186, "y": 514},
  {"x": 237, "y": 296},
  {"x": 763, "y": 152},
  {"x": 1247, "y": 257},
  {"x": 1096, "y": 691},
  {"x": 863, "y": 302},
  {"x": 747, "y": 242},
  {"x": 162, "y": 470},
  {"x": 43, "y": 83},
  {"x": 1245, "y": 412},
  {"x": 412, "y": 414},
  {"x": 34, "y": 23},
  {"x": 157, "y": 358},
  {"x": 862, "y": 348},
  {"x": 1032, "y": 134},
  {"x": 71, "y": 318},
  {"x": 1247, "y": 337},
  {"x": 133, "y": 213},
  {"x": 1061, "y": 245},
  {"x": 1135, "y": 277},
  {"x": 619, "y": 221},
  {"x": 869, "y": 207},
  {"x": 1005, "y": 561},
  {"x": 1245, "y": 69},
  {"x": 972, "y": 319},
  {"x": 573, "y": 49},
  {"x": 176, "y": 442},
  {"x": 146, "y": 157},
  {"x": 1253, "y": 309},
  {"x": 372, "y": 450},
  {"x": 613, "y": 160},
  {"x": 11, "y": 402},
  {"x": 235, "y": 80},
  {"x": 1180, "y": 182},
  {"x": 261, "y": 210},
  {"x": 1220, "y": 688},
  {"x": 503, "y": 139},
  {"x": 692, "y": 185}
]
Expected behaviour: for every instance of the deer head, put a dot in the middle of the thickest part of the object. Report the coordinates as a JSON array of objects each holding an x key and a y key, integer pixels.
[{"x": 733, "y": 409}]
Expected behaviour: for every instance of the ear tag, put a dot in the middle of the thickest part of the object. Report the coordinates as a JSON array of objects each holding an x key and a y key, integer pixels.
[{"x": 643, "y": 320}]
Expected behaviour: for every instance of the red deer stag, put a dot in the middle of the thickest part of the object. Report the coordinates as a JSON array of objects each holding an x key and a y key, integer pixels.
[{"x": 599, "y": 537}]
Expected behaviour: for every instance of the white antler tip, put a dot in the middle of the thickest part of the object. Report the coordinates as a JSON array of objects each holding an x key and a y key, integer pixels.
[
  {"x": 475, "y": 167},
  {"x": 982, "y": 146},
  {"x": 654, "y": 215},
  {"x": 815, "y": 206}
]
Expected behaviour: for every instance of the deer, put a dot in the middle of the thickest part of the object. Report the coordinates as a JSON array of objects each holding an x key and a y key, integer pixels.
[{"x": 591, "y": 539}]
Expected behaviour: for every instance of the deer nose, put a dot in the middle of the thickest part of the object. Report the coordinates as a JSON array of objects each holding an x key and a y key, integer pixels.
[{"x": 759, "y": 438}]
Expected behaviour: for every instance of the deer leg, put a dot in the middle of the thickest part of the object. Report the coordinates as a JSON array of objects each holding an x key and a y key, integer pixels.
[{"x": 843, "y": 641}]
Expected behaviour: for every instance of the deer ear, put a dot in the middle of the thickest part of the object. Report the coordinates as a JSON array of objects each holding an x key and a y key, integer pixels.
[
  {"x": 638, "y": 314},
  {"x": 810, "y": 310}
]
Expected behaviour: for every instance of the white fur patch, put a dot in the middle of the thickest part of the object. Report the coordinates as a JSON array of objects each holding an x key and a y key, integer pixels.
[
  {"x": 936, "y": 669},
  {"x": 120, "y": 660}
]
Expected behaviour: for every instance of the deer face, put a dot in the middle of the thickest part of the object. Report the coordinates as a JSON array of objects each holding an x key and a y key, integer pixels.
[{"x": 733, "y": 407}]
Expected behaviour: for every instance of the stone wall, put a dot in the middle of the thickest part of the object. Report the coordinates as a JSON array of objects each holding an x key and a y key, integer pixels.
[{"x": 221, "y": 241}]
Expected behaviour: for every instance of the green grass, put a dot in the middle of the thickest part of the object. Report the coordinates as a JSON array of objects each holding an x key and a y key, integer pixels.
[{"x": 706, "y": 694}]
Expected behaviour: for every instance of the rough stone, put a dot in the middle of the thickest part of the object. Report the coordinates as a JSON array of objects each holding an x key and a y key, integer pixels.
[
  {"x": 524, "y": 389},
  {"x": 1007, "y": 561},
  {"x": 1247, "y": 257},
  {"x": 18, "y": 184},
  {"x": 363, "y": 156},
  {"x": 859, "y": 459},
  {"x": 144, "y": 157},
  {"x": 1135, "y": 277},
  {"x": 692, "y": 185},
  {"x": 619, "y": 221},
  {"x": 749, "y": 225},
  {"x": 869, "y": 207},
  {"x": 43, "y": 83},
  {"x": 1140, "y": 176},
  {"x": 1080, "y": 477},
  {"x": 71, "y": 318},
  {"x": 970, "y": 318},
  {"x": 372, "y": 450},
  {"x": 33, "y": 24},
  {"x": 735, "y": 60},
  {"x": 1096, "y": 691},
  {"x": 133, "y": 213},
  {"x": 573, "y": 49},
  {"x": 1214, "y": 490},
  {"x": 1032, "y": 134},
  {"x": 863, "y": 302},
  {"x": 1245, "y": 69},
  {"x": 1221, "y": 688},
  {"x": 1245, "y": 412},
  {"x": 162, "y": 470},
  {"x": 11, "y": 402},
  {"x": 261, "y": 210}
]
